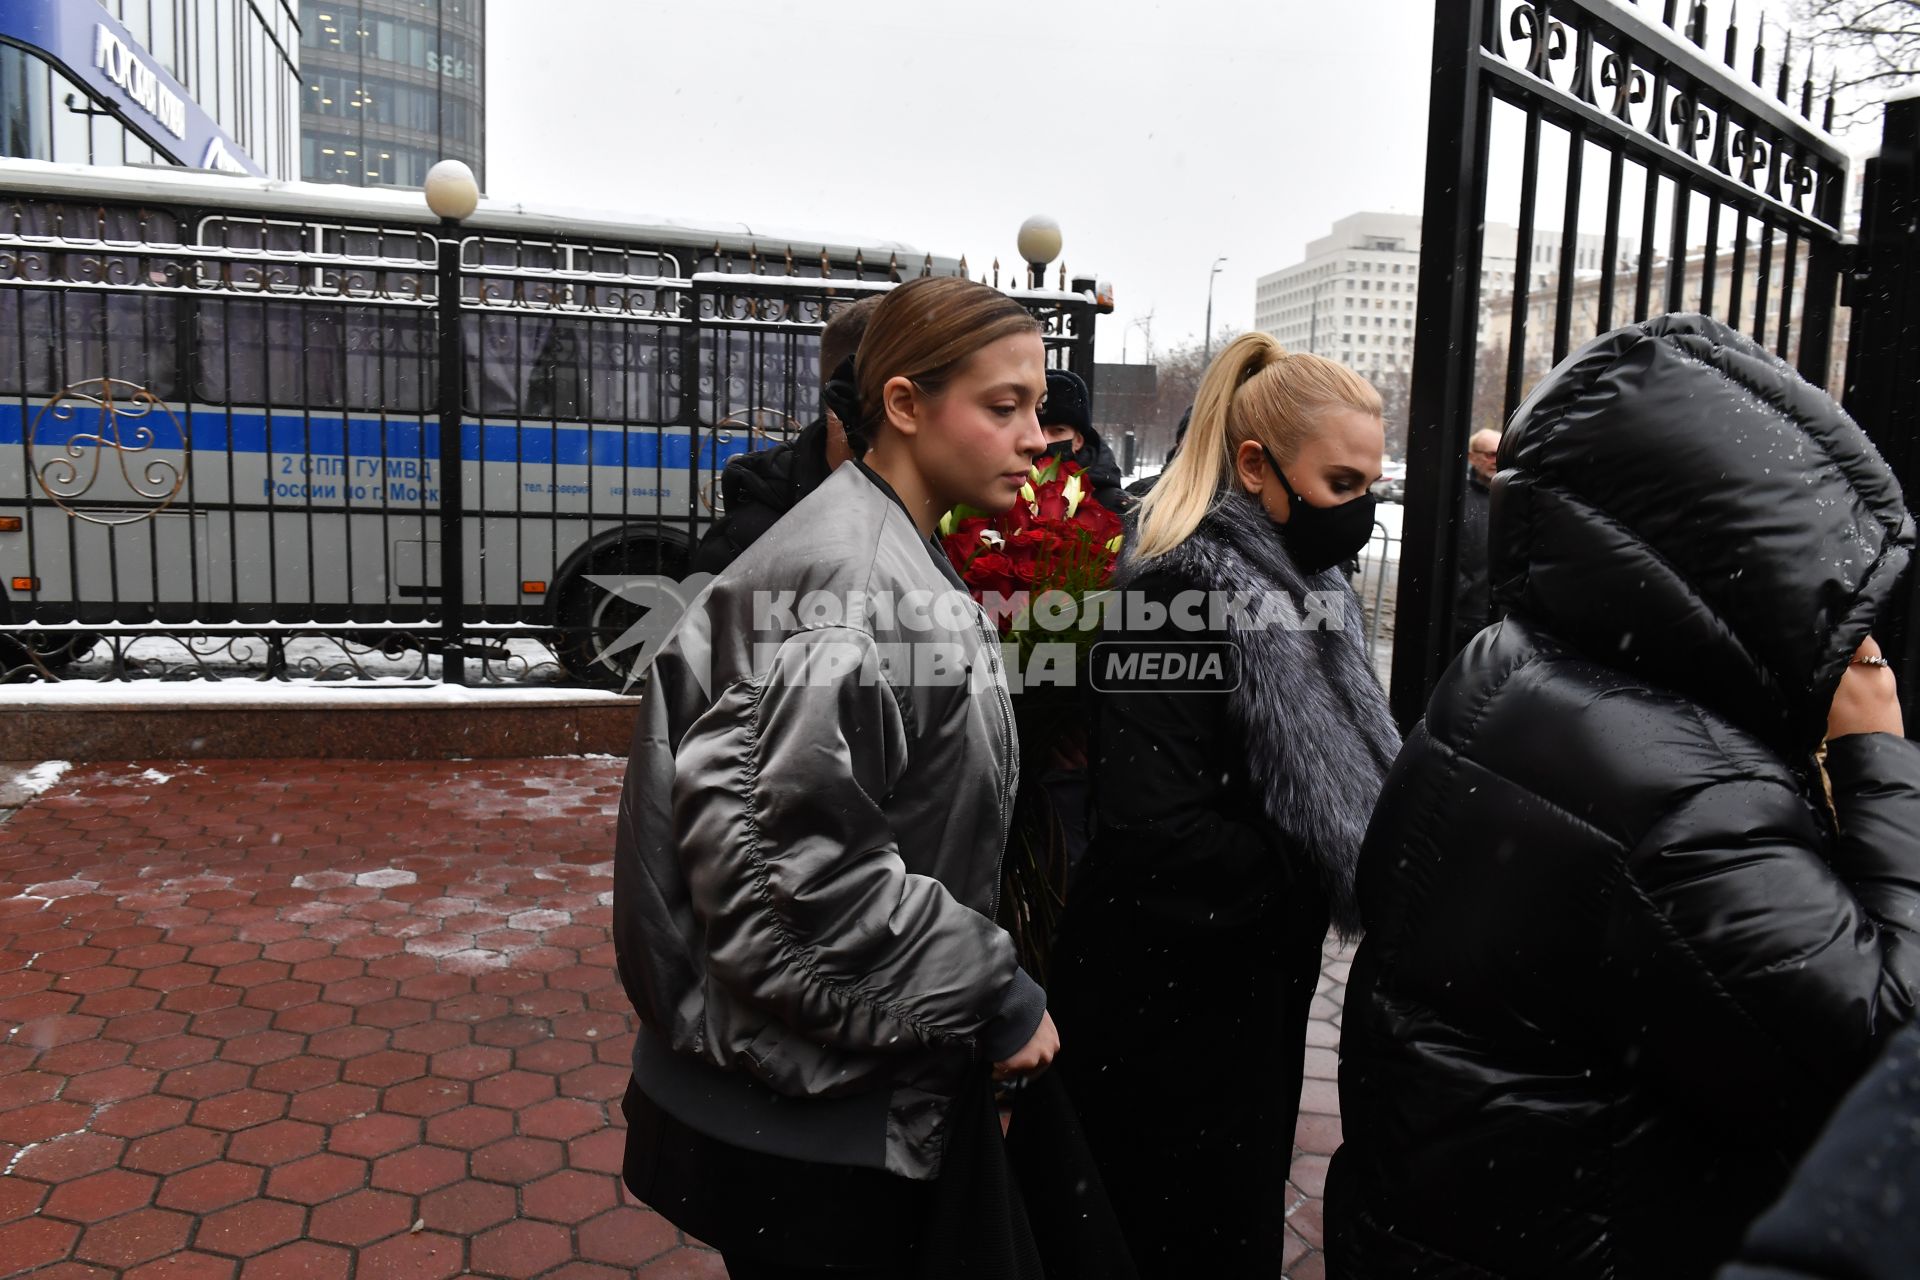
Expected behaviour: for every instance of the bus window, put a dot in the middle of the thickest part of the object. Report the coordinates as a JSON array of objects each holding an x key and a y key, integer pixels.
[
  {"x": 281, "y": 353},
  {"x": 50, "y": 339},
  {"x": 765, "y": 371},
  {"x": 391, "y": 360}
]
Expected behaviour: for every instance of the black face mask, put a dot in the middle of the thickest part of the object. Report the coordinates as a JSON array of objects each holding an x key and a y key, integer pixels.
[
  {"x": 1320, "y": 537},
  {"x": 1061, "y": 449}
]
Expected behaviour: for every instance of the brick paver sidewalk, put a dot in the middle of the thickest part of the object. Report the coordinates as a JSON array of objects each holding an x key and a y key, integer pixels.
[{"x": 344, "y": 1020}]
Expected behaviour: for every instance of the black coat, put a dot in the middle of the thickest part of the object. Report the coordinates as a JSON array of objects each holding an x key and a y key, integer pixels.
[
  {"x": 1227, "y": 824},
  {"x": 757, "y": 488},
  {"x": 1619, "y": 962},
  {"x": 1851, "y": 1212},
  {"x": 1470, "y": 596},
  {"x": 1103, "y": 473}
]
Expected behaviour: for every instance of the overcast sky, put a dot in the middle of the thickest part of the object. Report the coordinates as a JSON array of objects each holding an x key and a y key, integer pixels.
[{"x": 1161, "y": 135}]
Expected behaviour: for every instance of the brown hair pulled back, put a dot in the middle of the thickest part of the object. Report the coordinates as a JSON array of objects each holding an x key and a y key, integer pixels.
[{"x": 924, "y": 331}]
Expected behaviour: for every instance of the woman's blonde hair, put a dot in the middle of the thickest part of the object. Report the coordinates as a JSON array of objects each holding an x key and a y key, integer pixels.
[{"x": 1254, "y": 390}]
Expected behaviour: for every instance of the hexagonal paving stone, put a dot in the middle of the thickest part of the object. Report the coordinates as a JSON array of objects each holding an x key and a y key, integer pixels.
[
  {"x": 304, "y": 1260},
  {"x": 100, "y": 1196},
  {"x": 513, "y": 1090},
  {"x": 38, "y": 1241},
  {"x": 42, "y": 1121},
  {"x": 387, "y": 1067},
  {"x": 241, "y": 1109},
  {"x": 684, "y": 1264},
  {"x": 521, "y": 1249},
  {"x": 425, "y": 1255},
  {"x": 281, "y": 1142},
  {"x": 334, "y": 1103},
  {"x": 427, "y": 1096},
  {"x": 468, "y": 1207},
  {"x": 517, "y": 1160},
  {"x": 374, "y": 1135},
  {"x": 570, "y": 1196},
  {"x": 113, "y": 1084},
  {"x": 468, "y": 1128},
  {"x": 627, "y": 1237},
  {"x": 317, "y": 1178},
  {"x": 297, "y": 1074},
  {"x": 174, "y": 1150},
  {"x": 250, "y": 1228},
  {"x": 210, "y": 1187},
  {"x": 561, "y": 1118},
  {"x": 205, "y": 1080},
  {"x": 133, "y": 1238},
  {"x": 20, "y": 1198},
  {"x": 66, "y": 1158},
  {"x": 361, "y": 1218},
  {"x": 419, "y": 1170},
  {"x": 186, "y": 1266}
]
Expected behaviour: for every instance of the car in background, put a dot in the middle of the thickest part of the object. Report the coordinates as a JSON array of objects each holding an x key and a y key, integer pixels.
[{"x": 1392, "y": 484}]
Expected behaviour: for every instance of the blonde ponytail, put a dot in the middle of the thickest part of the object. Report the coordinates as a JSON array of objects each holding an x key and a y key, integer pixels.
[{"x": 1254, "y": 390}]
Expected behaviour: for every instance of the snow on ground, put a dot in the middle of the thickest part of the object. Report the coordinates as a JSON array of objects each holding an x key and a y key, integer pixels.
[
  {"x": 287, "y": 694},
  {"x": 43, "y": 775}
]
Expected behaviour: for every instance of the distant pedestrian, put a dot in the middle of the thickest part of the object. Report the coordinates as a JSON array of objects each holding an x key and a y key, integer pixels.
[
  {"x": 1625, "y": 947},
  {"x": 1470, "y": 596},
  {"x": 1144, "y": 485},
  {"x": 757, "y": 488},
  {"x": 810, "y": 837},
  {"x": 1227, "y": 814}
]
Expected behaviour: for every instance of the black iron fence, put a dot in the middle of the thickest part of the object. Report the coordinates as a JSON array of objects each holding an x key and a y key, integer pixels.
[
  {"x": 226, "y": 441},
  {"x": 1642, "y": 163}
]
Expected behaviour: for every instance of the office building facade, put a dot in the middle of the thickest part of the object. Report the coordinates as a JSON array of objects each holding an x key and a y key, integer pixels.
[
  {"x": 390, "y": 88},
  {"x": 204, "y": 84},
  {"x": 1353, "y": 298}
]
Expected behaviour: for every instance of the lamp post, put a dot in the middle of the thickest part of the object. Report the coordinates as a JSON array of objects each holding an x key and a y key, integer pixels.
[
  {"x": 1039, "y": 243},
  {"x": 1207, "y": 358},
  {"x": 452, "y": 194}
]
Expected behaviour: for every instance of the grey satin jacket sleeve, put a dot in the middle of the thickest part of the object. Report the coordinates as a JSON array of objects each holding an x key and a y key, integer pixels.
[{"x": 808, "y": 910}]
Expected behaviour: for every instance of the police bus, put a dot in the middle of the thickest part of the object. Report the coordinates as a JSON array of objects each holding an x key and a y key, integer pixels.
[{"x": 219, "y": 403}]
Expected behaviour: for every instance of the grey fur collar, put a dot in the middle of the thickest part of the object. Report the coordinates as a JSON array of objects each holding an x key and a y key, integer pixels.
[{"x": 1315, "y": 719}]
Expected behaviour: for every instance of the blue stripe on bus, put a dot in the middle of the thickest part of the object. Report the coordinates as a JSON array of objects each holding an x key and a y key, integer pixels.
[{"x": 645, "y": 447}]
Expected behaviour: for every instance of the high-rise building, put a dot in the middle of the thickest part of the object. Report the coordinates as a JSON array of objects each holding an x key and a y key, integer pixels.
[
  {"x": 204, "y": 84},
  {"x": 392, "y": 87},
  {"x": 1353, "y": 297}
]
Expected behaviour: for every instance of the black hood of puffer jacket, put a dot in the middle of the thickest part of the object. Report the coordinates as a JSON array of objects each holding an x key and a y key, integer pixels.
[{"x": 1676, "y": 502}]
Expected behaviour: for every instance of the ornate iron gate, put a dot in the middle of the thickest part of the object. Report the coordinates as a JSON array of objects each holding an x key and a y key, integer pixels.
[{"x": 1656, "y": 167}]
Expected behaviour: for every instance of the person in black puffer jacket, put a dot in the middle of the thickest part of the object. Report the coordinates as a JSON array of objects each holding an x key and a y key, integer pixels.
[{"x": 1623, "y": 955}]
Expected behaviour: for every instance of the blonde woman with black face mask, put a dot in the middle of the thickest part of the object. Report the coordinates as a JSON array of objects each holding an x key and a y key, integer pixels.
[{"x": 1228, "y": 809}]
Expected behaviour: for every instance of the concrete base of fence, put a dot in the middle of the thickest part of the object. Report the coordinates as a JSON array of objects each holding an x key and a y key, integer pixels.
[{"x": 146, "y": 727}]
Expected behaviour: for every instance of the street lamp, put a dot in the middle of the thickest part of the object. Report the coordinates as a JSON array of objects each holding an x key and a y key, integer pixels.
[
  {"x": 452, "y": 193},
  {"x": 1039, "y": 243},
  {"x": 1208, "y": 357}
]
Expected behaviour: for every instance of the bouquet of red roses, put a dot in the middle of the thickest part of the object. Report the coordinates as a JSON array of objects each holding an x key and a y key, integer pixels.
[
  {"x": 1054, "y": 539},
  {"x": 1034, "y": 567}
]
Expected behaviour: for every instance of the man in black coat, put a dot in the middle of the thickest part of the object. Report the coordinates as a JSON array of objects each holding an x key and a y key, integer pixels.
[
  {"x": 1622, "y": 953},
  {"x": 1470, "y": 597},
  {"x": 1066, "y": 415},
  {"x": 756, "y": 489}
]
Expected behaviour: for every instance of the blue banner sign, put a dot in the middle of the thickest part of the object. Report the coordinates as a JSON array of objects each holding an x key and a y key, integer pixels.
[{"x": 91, "y": 47}]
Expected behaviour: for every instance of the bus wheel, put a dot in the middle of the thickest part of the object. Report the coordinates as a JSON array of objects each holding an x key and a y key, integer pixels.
[{"x": 595, "y": 624}]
